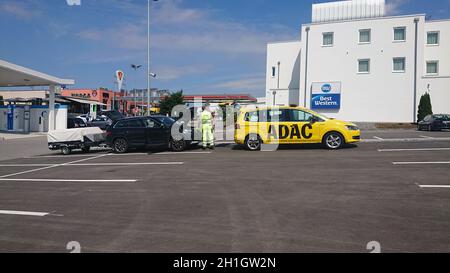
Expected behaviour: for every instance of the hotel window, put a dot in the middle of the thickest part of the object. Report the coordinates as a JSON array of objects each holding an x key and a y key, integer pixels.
[
  {"x": 274, "y": 71},
  {"x": 399, "y": 65},
  {"x": 328, "y": 39},
  {"x": 432, "y": 67},
  {"x": 364, "y": 66},
  {"x": 400, "y": 34},
  {"x": 364, "y": 36},
  {"x": 433, "y": 38}
]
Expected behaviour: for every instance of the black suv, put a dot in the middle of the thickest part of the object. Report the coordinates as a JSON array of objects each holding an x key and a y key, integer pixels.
[{"x": 145, "y": 132}]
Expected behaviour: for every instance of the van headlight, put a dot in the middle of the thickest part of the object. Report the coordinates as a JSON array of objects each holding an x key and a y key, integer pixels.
[{"x": 352, "y": 127}]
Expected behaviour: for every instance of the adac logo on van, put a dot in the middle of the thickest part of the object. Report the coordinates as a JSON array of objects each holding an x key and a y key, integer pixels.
[
  {"x": 290, "y": 132},
  {"x": 326, "y": 88}
]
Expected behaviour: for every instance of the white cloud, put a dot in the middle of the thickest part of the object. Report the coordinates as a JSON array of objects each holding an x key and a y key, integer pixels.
[
  {"x": 126, "y": 36},
  {"x": 185, "y": 29},
  {"x": 394, "y": 7},
  {"x": 21, "y": 10},
  {"x": 245, "y": 84},
  {"x": 167, "y": 73}
]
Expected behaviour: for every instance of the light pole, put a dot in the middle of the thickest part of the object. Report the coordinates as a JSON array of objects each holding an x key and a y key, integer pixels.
[
  {"x": 135, "y": 67},
  {"x": 148, "y": 56}
]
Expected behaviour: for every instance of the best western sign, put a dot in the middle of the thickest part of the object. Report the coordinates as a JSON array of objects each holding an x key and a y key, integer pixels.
[{"x": 326, "y": 95}]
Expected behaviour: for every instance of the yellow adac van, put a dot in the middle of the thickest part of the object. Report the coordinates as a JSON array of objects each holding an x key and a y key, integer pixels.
[{"x": 291, "y": 125}]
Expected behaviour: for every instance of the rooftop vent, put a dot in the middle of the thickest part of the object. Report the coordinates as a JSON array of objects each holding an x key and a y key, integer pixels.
[{"x": 347, "y": 10}]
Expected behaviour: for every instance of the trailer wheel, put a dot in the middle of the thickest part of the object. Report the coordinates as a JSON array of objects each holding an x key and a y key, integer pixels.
[
  {"x": 66, "y": 150},
  {"x": 86, "y": 149}
]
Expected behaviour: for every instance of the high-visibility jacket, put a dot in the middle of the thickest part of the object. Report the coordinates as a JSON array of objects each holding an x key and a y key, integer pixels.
[{"x": 206, "y": 117}]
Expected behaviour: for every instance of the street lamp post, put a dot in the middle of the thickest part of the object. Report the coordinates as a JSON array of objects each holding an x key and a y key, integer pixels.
[
  {"x": 135, "y": 67},
  {"x": 148, "y": 56}
]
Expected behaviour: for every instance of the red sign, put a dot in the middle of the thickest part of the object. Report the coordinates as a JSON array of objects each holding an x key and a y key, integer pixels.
[{"x": 120, "y": 75}]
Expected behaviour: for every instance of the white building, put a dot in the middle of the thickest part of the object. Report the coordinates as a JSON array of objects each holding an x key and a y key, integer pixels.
[{"x": 354, "y": 63}]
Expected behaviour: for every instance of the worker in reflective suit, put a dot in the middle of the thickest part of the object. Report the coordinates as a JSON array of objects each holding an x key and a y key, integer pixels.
[{"x": 207, "y": 128}]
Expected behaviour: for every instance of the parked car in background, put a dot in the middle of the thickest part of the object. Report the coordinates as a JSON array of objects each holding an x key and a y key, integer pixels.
[
  {"x": 73, "y": 122},
  {"x": 145, "y": 132},
  {"x": 100, "y": 121},
  {"x": 84, "y": 117},
  {"x": 105, "y": 119},
  {"x": 112, "y": 115},
  {"x": 434, "y": 123}
]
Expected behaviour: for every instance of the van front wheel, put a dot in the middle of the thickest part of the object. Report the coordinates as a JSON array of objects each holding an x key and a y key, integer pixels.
[{"x": 333, "y": 141}]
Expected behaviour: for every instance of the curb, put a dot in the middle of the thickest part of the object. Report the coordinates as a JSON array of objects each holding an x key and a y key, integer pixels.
[
  {"x": 20, "y": 137},
  {"x": 405, "y": 140}
]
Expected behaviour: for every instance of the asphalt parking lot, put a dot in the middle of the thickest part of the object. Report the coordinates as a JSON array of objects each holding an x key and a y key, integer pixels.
[{"x": 296, "y": 199}]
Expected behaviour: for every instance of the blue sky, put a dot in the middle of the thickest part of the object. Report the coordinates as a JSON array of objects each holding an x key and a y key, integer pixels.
[{"x": 200, "y": 46}]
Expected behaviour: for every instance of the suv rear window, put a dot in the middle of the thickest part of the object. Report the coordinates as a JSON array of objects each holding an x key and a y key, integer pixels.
[{"x": 134, "y": 123}]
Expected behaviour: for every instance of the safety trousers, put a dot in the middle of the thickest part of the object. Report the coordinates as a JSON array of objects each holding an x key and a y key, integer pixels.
[{"x": 208, "y": 137}]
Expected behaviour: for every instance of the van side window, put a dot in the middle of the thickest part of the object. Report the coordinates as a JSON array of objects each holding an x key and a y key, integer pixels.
[
  {"x": 277, "y": 115},
  {"x": 300, "y": 116}
]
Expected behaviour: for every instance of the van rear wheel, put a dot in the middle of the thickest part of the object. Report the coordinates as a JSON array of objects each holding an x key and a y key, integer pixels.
[{"x": 253, "y": 142}]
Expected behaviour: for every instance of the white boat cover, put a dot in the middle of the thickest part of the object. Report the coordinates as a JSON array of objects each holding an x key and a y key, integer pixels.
[{"x": 94, "y": 134}]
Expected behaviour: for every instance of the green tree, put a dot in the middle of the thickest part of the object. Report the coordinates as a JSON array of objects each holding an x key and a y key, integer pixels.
[
  {"x": 425, "y": 108},
  {"x": 171, "y": 101},
  {"x": 1, "y": 101}
]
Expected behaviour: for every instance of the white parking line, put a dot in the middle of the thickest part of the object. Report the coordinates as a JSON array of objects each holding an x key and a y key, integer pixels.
[
  {"x": 52, "y": 166},
  {"x": 59, "y": 156},
  {"x": 420, "y": 163},
  {"x": 419, "y": 149},
  {"x": 162, "y": 153},
  {"x": 428, "y": 137},
  {"x": 29, "y": 171},
  {"x": 129, "y": 164},
  {"x": 176, "y": 153},
  {"x": 224, "y": 142},
  {"x": 435, "y": 186},
  {"x": 418, "y": 139},
  {"x": 25, "y": 165},
  {"x": 379, "y": 138},
  {"x": 71, "y": 180},
  {"x": 96, "y": 164},
  {"x": 24, "y": 213}
]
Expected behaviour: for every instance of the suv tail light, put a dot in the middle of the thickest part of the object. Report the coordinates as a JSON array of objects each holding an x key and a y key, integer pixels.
[{"x": 108, "y": 133}]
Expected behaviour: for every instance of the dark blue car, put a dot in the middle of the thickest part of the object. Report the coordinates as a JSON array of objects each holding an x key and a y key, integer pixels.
[{"x": 434, "y": 123}]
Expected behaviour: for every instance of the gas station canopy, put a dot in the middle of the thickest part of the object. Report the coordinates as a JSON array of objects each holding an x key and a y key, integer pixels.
[{"x": 12, "y": 75}]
